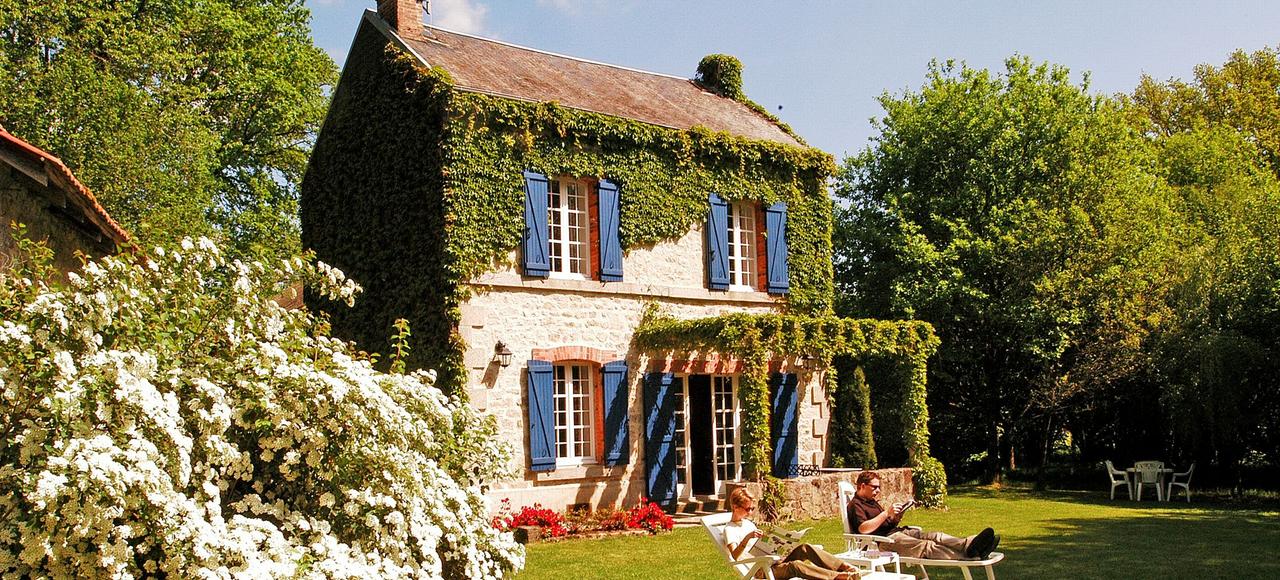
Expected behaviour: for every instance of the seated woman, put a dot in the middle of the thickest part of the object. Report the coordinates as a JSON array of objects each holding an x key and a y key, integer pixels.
[{"x": 804, "y": 561}]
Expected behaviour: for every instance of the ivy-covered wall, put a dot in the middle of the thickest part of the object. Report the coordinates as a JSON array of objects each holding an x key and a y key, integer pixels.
[
  {"x": 664, "y": 175},
  {"x": 415, "y": 187},
  {"x": 372, "y": 206}
]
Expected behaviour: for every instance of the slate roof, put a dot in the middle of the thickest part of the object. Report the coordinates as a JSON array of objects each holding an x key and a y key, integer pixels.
[
  {"x": 46, "y": 169},
  {"x": 497, "y": 68}
]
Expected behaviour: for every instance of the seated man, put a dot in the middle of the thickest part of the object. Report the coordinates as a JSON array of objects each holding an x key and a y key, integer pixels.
[
  {"x": 867, "y": 517},
  {"x": 804, "y": 561}
]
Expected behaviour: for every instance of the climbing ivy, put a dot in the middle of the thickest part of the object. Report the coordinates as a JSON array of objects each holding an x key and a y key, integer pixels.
[
  {"x": 755, "y": 339},
  {"x": 438, "y": 170}
]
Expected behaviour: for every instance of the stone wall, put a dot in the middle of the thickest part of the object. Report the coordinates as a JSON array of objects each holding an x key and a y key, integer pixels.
[
  {"x": 48, "y": 217},
  {"x": 538, "y": 314},
  {"x": 814, "y": 497}
]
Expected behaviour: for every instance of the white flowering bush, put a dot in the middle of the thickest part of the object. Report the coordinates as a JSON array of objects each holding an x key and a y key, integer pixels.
[{"x": 162, "y": 416}]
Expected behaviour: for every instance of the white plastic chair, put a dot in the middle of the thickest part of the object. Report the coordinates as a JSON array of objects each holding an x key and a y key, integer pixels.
[
  {"x": 1185, "y": 484},
  {"x": 749, "y": 567},
  {"x": 1113, "y": 474},
  {"x": 1149, "y": 474},
  {"x": 854, "y": 541},
  {"x": 762, "y": 566}
]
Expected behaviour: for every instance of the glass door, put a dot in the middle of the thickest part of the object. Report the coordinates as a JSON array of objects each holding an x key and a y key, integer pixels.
[{"x": 725, "y": 415}]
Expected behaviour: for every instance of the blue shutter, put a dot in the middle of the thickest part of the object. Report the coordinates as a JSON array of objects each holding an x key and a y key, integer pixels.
[
  {"x": 610, "y": 244},
  {"x": 785, "y": 425},
  {"x": 617, "y": 440},
  {"x": 542, "y": 426},
  {"x": 718, "y": 243},
  {"x": 659, "y": 438},
  {"x": 537, "y": 261},
  {"x": 775, "y": 220}
]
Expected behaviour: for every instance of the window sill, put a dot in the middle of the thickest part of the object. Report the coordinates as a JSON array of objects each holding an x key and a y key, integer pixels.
[
  {"x": 578, "y": 472},
  {"x": 513, "y": 280}
]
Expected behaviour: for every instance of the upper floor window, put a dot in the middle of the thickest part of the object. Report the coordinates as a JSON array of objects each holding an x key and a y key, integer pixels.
[
  {"x": 744, "y": 254},
  {"x": 567, "y": 227},
  {"x": 571, "y": 228},
  {"x": 742, "y": 245}
]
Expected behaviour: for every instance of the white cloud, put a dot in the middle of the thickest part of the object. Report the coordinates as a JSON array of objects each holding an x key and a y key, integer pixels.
[
  {"x": 570, "y": 6},
  {"x": 580, "y": 7},
  {"x": 461, "y": 15}
]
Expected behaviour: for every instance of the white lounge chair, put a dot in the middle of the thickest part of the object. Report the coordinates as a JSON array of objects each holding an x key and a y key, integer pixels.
[
  {"x": 762, "y": 566},
  {"x": 853, "y": 541},
  {"x": 1185, "y": 484},
  {"x": 1118, "y": 478}
]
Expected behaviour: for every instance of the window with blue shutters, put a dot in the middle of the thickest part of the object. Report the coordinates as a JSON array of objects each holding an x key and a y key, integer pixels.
[
  {"x": 568, "y": 400},
  {"x": 733, "y": 246},
  {"x": 557, "y": 237}
]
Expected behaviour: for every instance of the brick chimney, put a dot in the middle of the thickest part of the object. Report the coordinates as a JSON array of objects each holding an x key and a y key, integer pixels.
[{"x": 403, "y": 15}]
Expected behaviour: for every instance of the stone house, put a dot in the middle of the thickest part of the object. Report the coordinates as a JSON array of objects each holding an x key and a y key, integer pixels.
[
  {"x": 526, "y": 211},
  {"x": 39, "y": 191}
]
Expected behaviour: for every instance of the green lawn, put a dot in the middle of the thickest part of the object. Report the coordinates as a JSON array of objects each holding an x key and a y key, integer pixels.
[{"x": 1044, "y": 535}]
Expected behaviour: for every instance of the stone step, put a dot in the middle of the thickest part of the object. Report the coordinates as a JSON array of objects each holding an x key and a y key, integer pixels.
[{"x": 701, "y": 504}]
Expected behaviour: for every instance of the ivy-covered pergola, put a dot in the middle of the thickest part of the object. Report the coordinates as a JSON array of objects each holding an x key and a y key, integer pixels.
[{"x": 757, "y": 339}]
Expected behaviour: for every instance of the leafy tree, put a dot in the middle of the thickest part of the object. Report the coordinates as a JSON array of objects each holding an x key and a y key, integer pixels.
[
  {"x": 185, "y": 118},
  {"x": 852, "y": 443},
  {"x": 162, "y": 416},
  {"x": 1244, "y": 94},
  {"x": 1221, "y": 358},
  {"x": 1018, "y": 215}
]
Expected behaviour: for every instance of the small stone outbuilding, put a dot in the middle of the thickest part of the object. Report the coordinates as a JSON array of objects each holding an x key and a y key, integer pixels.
[{"x": 39, "y": 191}]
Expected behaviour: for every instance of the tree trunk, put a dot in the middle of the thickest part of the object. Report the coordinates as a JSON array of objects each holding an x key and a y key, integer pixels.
[{"x": 1042, "y": 482}]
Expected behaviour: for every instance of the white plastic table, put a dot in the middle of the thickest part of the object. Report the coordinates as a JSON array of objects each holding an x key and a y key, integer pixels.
[
  {"x": 1132, "y": 474},
  {"x": 874, "y": 560}
]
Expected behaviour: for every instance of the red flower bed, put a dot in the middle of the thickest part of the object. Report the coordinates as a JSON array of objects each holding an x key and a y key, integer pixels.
[{"x": 645, "y": 516}]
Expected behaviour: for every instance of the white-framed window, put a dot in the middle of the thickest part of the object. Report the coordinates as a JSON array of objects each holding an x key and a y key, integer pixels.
[
  {"x": 742, "y": 245},
  {"x": 567, "y": 225},
  {"x": 574, "y": 414}
]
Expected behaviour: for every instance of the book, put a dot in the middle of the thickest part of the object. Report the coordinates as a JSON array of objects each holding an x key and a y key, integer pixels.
[{"x": 780, "y": 541}]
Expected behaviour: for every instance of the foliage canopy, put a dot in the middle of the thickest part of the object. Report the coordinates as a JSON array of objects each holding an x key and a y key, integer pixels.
[{"x": 185, "y": 118}]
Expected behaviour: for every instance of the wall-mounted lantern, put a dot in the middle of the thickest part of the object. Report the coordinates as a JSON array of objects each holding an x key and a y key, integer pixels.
[{"x": 502, "y": 354}]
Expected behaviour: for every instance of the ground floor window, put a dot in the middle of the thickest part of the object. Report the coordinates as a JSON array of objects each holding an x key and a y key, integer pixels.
[{"x": 574, "y": 414}]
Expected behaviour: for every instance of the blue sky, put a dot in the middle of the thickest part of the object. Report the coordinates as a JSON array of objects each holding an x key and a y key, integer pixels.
[{"x": 825, "y": 61}]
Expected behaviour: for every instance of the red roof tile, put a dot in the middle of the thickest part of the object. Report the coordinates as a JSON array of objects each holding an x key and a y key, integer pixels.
[
  {"x": 60, "y": 176},
  {"x": 497, "y": 68}
]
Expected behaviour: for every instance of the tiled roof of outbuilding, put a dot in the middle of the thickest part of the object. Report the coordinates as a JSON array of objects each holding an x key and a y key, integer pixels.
[
  {"x": 497, "y": 68},
  {"x": 28, "y": 158}
]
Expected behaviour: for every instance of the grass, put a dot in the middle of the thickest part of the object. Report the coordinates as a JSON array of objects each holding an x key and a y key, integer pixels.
[{"x": 1044, "y": 535}]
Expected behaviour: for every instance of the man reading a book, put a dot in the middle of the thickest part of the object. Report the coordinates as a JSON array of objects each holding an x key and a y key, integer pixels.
[
  {"x": 867, "y": 517},
  {"x": 741, "y": 537}
]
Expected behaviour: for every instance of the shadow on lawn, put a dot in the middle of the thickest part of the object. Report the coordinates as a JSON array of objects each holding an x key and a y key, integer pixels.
[
  {"x": 1092, "y": 497},
  {"x": 1151, "y": 545}
]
